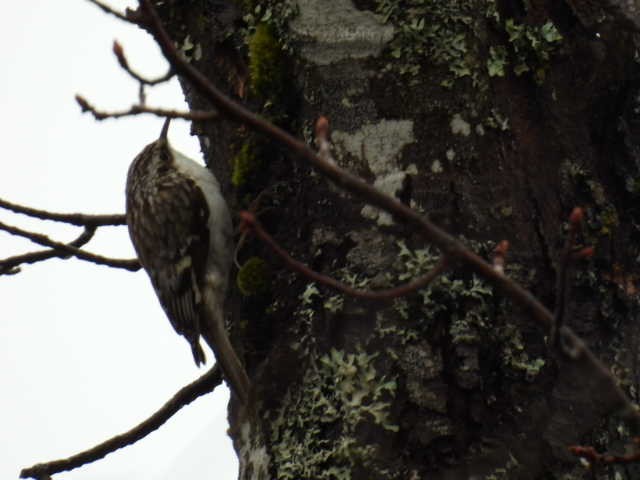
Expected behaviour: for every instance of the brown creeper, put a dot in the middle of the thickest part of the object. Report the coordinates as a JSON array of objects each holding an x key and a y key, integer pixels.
[{"x": 181, "y": 229}]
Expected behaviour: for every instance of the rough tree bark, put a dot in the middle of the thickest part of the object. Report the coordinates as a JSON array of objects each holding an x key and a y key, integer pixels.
[{"x": 494, "y": 118}]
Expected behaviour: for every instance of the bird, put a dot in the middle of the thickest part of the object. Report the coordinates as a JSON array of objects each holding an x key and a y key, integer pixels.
[{"x": 181, "y": 229}]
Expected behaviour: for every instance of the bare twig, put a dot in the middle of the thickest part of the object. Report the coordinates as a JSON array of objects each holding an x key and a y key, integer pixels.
[
  {"x": 203, "y": 385},
  {"x": 250, "y": 223},
  {"x": 107, "y": 9},
  {"x": 58, "y": 249},
  {"x": 79, "y": 219},
  {"x": 10, "y": 265},
  {"x": 568, "y": 256},
  {"x": 124, "y": 63},
  {"x": 563, "y": 273},
  {"x": 591, "y": 454},
  {"x": 198, "y": 115},
  {"x": 66, "y": 250}
]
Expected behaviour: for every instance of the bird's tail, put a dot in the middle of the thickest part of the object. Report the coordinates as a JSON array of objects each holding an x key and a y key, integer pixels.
[
  {"x": 215, "y": 333},
  {"x": 198, "y": 354}
]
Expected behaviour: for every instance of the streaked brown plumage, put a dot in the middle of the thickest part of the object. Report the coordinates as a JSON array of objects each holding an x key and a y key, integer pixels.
[{"x": 181, "y": 229}]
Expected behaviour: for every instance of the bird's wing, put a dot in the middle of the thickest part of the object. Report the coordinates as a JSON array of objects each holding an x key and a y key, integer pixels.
[{"x": 171, "y": 237}]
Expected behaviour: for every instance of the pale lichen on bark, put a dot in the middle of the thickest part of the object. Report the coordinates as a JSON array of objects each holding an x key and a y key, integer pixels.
[
  {"x": 255, "y": 461},
  {"x": 334, "y": 30},
  {"x": 380, "y": 146}
]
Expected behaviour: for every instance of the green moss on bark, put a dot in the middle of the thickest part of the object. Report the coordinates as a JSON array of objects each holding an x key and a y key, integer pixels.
[
  {"x": 265, "y": 63},
  {"x": 253, "y": 277}
]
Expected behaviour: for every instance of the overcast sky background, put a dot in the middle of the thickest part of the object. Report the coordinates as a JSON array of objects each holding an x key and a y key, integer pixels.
[{"x": 86, "y": 351}]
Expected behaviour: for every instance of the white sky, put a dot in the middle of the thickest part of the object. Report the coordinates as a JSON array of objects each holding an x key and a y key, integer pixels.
[{"x": 85, "y": 351}]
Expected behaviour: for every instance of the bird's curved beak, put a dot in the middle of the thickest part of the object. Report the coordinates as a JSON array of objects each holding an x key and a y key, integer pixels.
[{"x": 165, "y": 129}]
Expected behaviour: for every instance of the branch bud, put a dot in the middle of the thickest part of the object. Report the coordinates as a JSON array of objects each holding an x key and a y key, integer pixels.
[
  {"x": 576, "y": 216},
  {"x": 322, "y": 127}
]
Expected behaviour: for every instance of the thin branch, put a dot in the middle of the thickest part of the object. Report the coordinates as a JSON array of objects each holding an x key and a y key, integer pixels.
[
  {"x": 107, "y": 9},
  {"x": 197, "y": 115},
  {"x": 591, "y": 454},
  {"x": 250, "y": 223},
  {"x": 65, "y": 249},
  {"x": 10, "y": 265},
  {"x": 79, "y": 219},
  {"x": 58, "y": 249},
  {"x": 563, "y": 273},
  {"x": 124, "y": 63},
  {"x": 203, "y": 385}
]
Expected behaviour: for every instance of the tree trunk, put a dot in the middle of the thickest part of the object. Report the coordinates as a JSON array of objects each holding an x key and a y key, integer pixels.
[{"x": 495, "y": 119}]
